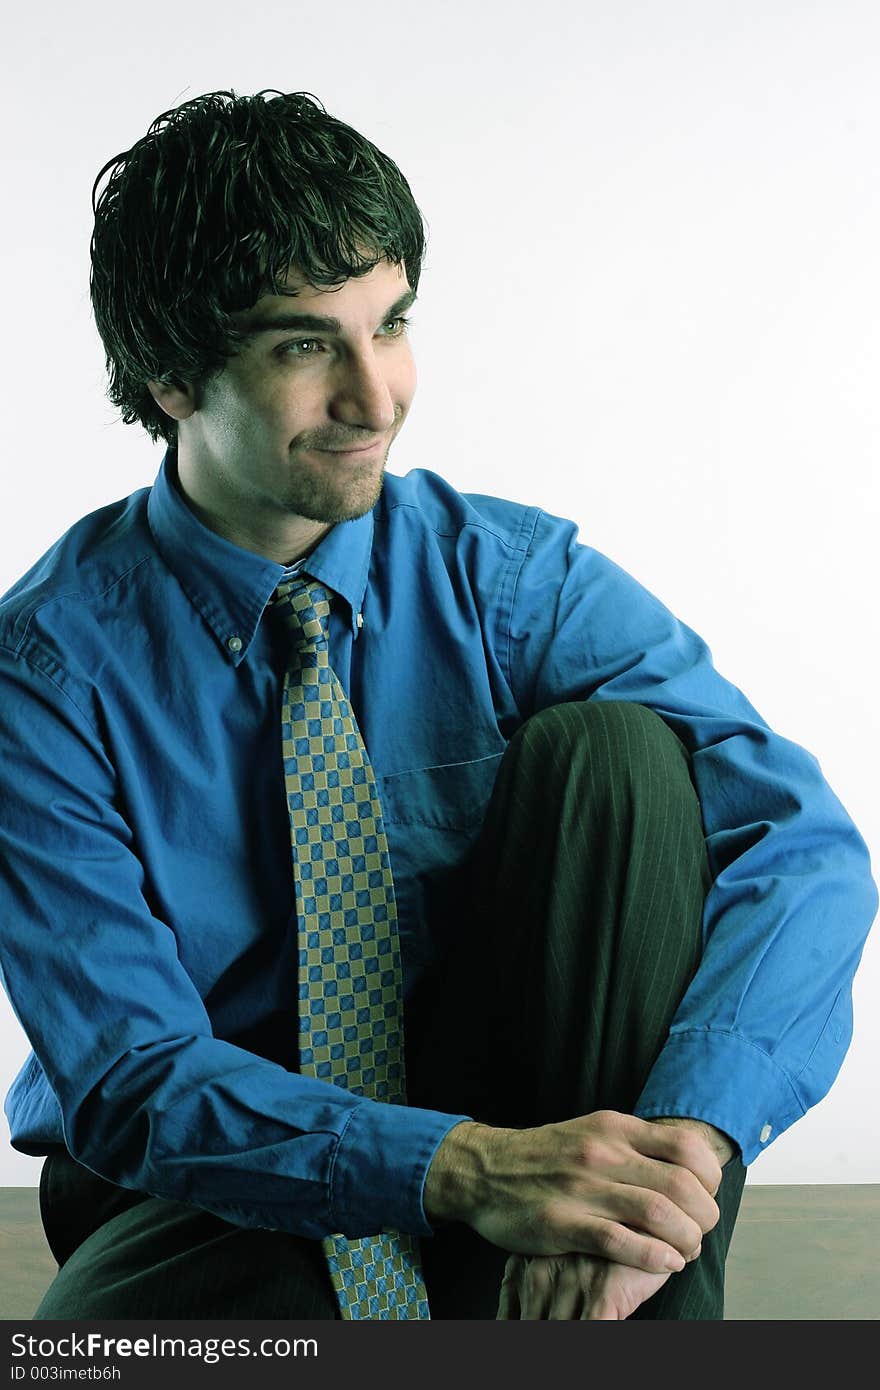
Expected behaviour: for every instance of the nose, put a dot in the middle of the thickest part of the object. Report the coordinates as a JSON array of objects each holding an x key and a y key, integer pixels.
[{"x": 362, "y": 396}]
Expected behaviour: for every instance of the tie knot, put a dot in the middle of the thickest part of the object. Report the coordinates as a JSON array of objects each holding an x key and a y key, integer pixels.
[{"x": 304, "y": 606}]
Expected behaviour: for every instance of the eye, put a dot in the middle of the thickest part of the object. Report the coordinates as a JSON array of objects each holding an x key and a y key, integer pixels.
[
  {"x": 310, "y": 347},
  {"x": 402, "y": 324},
  {"x": 292, "y": 347}
]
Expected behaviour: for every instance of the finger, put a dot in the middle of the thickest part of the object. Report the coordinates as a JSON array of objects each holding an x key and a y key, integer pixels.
[
  {"x": 568, "y": 1295},
  {"x": 612, "y": 1240},
  {"x": 508, "y": 1299},
  {"x": 565, "y": 1308},
  {"x": 686, "y": 1191},
  {"x": 679, "y": 1145},
  {"x": 678, "y": 1185},
  {"x": 552, "y": 1287},
  {"x": 650, "y": 1212},
  {"x": 536, "y": 1288},
  {"x": 506, "y": 1305}
]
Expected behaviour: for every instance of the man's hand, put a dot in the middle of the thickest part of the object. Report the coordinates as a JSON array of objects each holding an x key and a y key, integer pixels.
[
  {"x": 585, "y": 1287},
  {"x": 607, "y": 1184},
  {"x": 573, "y": 1287}
]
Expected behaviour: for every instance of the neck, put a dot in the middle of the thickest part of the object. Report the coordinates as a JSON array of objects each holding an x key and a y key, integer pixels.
[{"x": 289, "y": 539}]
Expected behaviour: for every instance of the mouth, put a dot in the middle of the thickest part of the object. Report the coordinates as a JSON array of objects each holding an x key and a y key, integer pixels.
[{"x": 364, "y": 452}]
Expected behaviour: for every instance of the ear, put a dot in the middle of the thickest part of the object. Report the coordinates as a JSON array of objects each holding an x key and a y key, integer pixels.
[{"x": 177, "y": 400}]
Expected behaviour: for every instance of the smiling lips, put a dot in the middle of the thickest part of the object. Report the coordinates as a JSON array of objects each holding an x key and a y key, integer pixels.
[{"x": 362, "y": 449}]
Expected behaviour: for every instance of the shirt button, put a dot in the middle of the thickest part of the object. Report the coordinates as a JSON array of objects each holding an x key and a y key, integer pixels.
[
  {"x": 765, "y": 1133},
  {"x": 234, "y": 644}
]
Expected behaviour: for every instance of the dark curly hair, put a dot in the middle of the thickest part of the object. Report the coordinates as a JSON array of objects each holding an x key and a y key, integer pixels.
[{"x": 208, "y": 212}]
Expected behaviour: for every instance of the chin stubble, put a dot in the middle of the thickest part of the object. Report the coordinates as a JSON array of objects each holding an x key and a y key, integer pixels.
[{"x": 323, "y": 503}]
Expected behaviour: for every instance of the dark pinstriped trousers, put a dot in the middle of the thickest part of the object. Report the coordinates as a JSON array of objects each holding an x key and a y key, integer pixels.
[{"x": 581, "y": 913}]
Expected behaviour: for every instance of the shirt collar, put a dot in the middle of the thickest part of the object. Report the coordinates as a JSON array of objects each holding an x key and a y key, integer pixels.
[{"x": 230, "y": 586}]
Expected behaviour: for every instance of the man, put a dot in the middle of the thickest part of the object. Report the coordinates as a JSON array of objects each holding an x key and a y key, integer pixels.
[{"x": 406, "y": 918}]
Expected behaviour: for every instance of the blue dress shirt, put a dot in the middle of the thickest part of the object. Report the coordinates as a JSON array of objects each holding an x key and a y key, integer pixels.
[{"x": 147, "y": 919}]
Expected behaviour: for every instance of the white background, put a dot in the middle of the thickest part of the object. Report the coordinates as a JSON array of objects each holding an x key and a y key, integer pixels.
[{"x": 650, "y": 303}]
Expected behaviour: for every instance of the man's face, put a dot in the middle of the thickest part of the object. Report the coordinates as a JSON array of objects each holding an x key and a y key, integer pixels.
[{"x": 268, "y": 446}]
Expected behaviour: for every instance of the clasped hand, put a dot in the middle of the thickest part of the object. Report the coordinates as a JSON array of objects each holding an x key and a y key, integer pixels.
[{"x": 597, "y": 1211}]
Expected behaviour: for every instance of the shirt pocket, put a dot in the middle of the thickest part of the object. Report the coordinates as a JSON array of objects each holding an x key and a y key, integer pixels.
[
  {"x": 452, "y": 796},
  {"x": 432, "y": 817}
]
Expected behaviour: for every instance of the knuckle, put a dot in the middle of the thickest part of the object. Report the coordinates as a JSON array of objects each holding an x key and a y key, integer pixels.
[
  {"x": 608, "y": 1120},
  {"x": 591, "y": 1152},
  {"x": 656, "y": 1210},
  {"x": 683, "y": 1147},
  {"x": 587, "y": 1150},
  {"x": 681, "y": 1187},
  {"x": 513, "y": 1269},
  {"x": 581, "y": 1148},
  {"x": 569, "y": 1274},
  {"x": 537, "y": 1278},
  {"x": 694, "y": 1150}
]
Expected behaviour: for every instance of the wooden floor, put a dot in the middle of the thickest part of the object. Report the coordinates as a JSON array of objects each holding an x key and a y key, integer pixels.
[{"x": 798, "y": 1253}]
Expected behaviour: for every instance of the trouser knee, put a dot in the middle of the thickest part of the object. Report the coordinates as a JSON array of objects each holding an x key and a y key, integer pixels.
[{"x": 622, "y": 743}]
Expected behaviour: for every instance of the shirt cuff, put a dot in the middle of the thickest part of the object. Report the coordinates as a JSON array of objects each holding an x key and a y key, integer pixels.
[
  {"x": 378, "y": 1172},
  {"x": 722, "y": 1078}
]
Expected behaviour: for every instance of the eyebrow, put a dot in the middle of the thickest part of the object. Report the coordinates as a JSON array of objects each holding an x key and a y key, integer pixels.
[{"x": 317, "y": 323}]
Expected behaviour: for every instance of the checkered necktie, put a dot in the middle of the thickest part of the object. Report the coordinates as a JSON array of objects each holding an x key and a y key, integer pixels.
[{"x": 350, "y": 994}]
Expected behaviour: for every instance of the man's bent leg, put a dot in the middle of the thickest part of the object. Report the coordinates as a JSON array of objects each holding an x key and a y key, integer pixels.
[
  {"x": 582, "y": 929},
  {"x": 129, "y": 1255}
]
